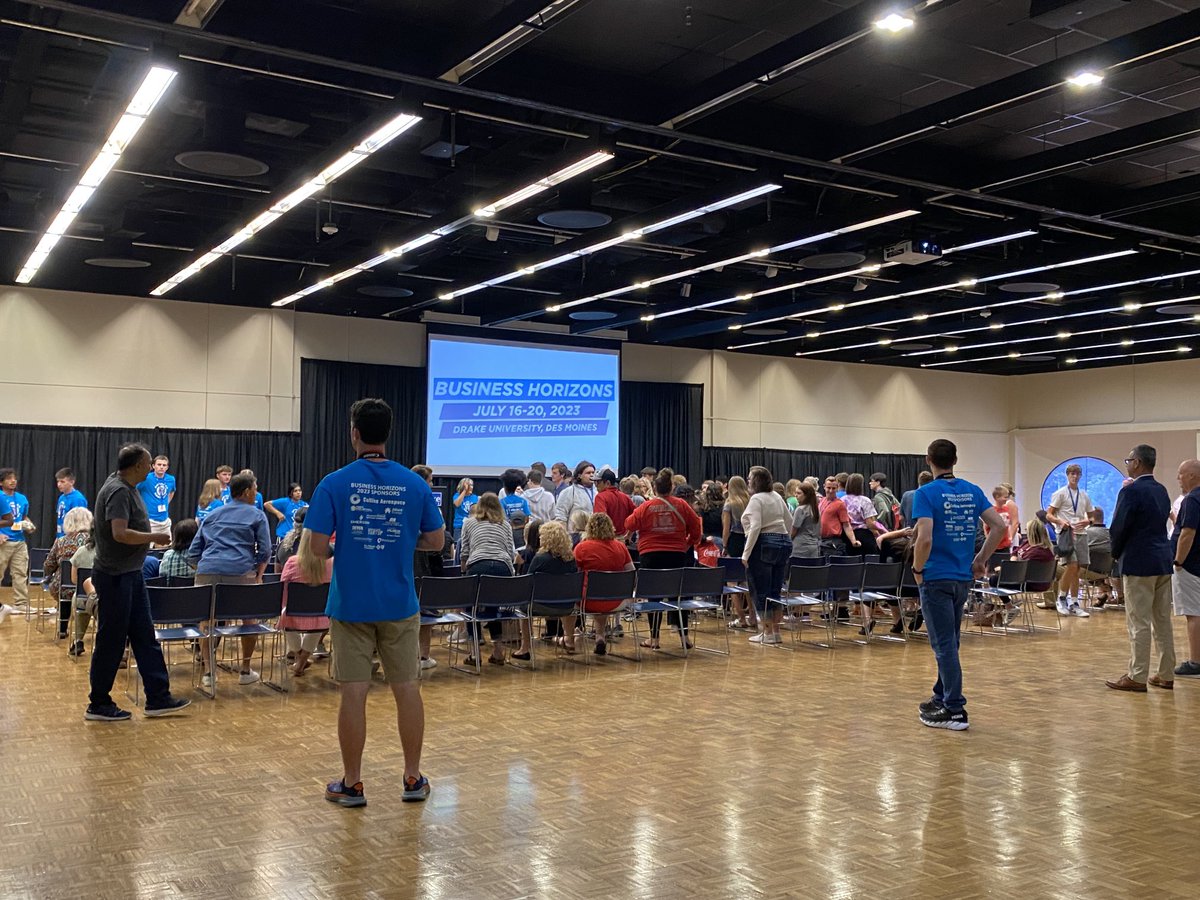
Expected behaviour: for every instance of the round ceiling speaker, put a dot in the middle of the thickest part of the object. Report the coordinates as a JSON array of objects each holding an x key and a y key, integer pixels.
[
  {"x": 765, "y": 332},
  {"x": 384, "y": 290},
  {"x": 224, "y": 165},
  {"x": 1039, "y": 359},
  {"x": 117, "y": 262},
  {"x": 592, "y": 315},
  {"x": 1029, "y": 287},
  {"x": 844, "y": 260},
  {"x": 574, "y": 219},
  {"x": 913, "y": 346},
  {"x": 1179, "y": 309}
]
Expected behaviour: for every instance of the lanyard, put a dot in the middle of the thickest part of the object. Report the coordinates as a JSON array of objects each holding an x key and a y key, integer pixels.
[
  {"x": 1074, "y": 501},
  {"x": 372, "y": 454}
]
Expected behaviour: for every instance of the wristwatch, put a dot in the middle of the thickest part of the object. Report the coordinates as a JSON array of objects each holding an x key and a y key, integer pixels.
[{"x": 1177, "y": 564}]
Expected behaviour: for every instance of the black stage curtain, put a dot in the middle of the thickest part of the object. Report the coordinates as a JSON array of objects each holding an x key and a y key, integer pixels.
[
  {"x": 901, "y": 469},
  {"x": 662, "y": 424},
  {"x": 328, "y": 388},
  {"x": 38, "y": 451}
]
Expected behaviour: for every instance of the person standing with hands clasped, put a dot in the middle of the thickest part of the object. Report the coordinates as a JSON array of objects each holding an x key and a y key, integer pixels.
[
  {"x": 945, "y": 565},
  {"x": 1139, "y": 541},
  {"x": 122, "y": 534},
  {"x": 381, "y": 512}
]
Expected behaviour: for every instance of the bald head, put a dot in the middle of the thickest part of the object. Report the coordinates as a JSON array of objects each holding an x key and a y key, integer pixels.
[{"x": 1189, "y": 474}]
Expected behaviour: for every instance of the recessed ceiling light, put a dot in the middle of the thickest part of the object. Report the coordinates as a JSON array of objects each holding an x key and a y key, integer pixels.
[
  {"x": 1132, "y": 306},
  {"x": 1086, "y": 78},
  {"x": 1070, "y": 360},
  {"x": 649, "y": 317},
  {"x": 951, "y": 348},
  {"x": 735, "y": 327},
  {"x": 968, "y": 283},
  {"x": 836, "y": 307},
  {"x": 1183, "y": 349},
  {"x": 1127, "y": 342},
  {"x": 894, "y": 22},
  {"x": 920, "y": 317},
  {"x": 1063, "y": 335},
  {"x": 1013, "y": 354},
  {"x": 812, "y": 334},
  {"x": 883, "y": 342},
  {"x": 995, "y": 326}
]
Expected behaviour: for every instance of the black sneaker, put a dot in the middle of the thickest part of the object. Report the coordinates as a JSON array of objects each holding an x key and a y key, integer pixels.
[
  {"x": 110, "y": 713},
  {"x": 1188, "y": 669},
  {"x": 76, "y": 649},
  {"x": 171, "y": 705},
  {"x": 943, "y": 718},
  {"x": 929, "y": 706}
]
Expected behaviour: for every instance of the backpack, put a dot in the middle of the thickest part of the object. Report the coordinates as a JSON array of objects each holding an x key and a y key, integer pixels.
[{"x": 893, "y": 513}]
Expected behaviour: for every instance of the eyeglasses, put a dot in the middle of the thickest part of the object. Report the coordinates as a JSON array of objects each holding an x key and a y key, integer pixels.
[{"x": 1128, "y": 460}]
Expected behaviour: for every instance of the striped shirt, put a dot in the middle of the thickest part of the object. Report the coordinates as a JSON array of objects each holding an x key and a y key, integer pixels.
[{"x": 487, "y": 540}]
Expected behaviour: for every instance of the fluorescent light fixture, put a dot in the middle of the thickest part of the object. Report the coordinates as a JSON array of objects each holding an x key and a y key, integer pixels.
[
  {"x": 987, "y": 242},
  {"x": 145, "y": 98},
  {"x": 894, "y": 22},
  {"x": 1013, "y": 354},
  {"x": 1086, "y": 78},
  {"x": 612, "y": 242},
  {"x": 331, "y": 173},
  {"x": 948, "y": 286},
  {"x": 406, "y": 247},
  {"x": 544, "y": 184},
  {"x": 733, "y": 260}
]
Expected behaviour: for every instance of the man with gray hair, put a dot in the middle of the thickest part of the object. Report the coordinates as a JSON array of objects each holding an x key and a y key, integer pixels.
[
  {"x": 1139, "y": 542},
  {"x": 1185, "y": 584}
]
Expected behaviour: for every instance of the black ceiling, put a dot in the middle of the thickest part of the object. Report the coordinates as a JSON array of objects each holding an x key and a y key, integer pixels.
[{"x": 964, "y": 118}]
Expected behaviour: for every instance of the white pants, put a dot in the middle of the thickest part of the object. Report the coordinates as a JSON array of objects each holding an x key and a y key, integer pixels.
[
  {"x": 297, "y": 641},
  {"x": 163, "y": 527}
]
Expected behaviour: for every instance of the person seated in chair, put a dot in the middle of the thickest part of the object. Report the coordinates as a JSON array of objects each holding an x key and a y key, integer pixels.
[
  {"x": 601, "y": 551},
  {"x": 556, "y": 556},
  {"x": 313, "y": 627},
  {"x": 232, "y": 547},
  {"x": 1099, "y": 544},
  {"x": 77, "y": 527},
  {"x": 175, "y": 562}
]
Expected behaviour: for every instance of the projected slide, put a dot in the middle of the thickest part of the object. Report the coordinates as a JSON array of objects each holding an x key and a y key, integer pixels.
[{"x": 494, "y": 405}]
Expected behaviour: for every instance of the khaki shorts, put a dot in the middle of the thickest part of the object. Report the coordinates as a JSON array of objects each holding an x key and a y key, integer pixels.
[
  {"x": 356, "y": 643},
  {"x": 163, "y": 527}
]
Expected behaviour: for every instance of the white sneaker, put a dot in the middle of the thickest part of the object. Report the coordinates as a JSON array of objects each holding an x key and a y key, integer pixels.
[
  {"x": 6, "y": 611},
  {"x": 773, "y": 638},
  {"x": 1061, "y": 606},
  {"x": 1077, "y": 610},
  {"x": 206, "y": 681},
  {"x": 760, "y": 638},
  {"x": 248, "y": 677},
  {"x": 428, "y": 662}
]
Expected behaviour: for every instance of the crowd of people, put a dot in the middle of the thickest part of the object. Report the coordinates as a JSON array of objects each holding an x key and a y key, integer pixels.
[{"x": 389, "y": 531}]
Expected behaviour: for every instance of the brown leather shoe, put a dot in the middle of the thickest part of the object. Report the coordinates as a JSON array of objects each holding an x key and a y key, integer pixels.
[
  {"x": 1125, "y": 683},
  {"x": 1160, "y": 683}
]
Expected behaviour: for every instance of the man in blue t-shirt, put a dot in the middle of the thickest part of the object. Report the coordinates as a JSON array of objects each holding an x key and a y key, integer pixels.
[
  {"x": 381, "y": 512},
  {"x": 1185, "y": 584},
  {"x": 945, "y": 564},
  {"x": 224, "y": 473},
  {"x": 14, "y": 554},
  {"x": 516, "y": 507},
  {"x": 157, "y": 492},
  {"x": 68, "y": 497}
]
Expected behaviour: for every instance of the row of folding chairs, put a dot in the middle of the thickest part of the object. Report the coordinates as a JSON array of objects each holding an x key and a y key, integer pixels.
[
  {"x": 1006, "y": 596},
  {"x": 179, "y": 613},
  {"x": 470, "y": 601}
]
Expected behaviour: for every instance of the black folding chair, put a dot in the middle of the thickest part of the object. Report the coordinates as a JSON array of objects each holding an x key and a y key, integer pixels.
[
  {"x": 503, "y": 598},
  {"x": 449, "y": 601},
  {"x": 806, "y": 590},
  {"x": 178, "y": 615},
  {"x": 1039, "y": 572},
  {"x": 657, "y": 591},
  {"x": 607, "y": 588},
  {"x": 253, "y": 605},
  {"x": 844, "y": 579},
  {"x": 555, "y": 596},
  {"x": 703, "y": 591},
  {"x": 997, "y": 599},
  {"x": 881, "y": 584},
  {"x": 303, "y": 600}
]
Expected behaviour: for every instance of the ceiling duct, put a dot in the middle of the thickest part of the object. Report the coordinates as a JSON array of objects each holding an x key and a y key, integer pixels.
[{"x": 224, "y": 132}]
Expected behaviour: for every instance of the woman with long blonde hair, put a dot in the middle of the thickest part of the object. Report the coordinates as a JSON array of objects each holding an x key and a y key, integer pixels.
[
  {"x": 305, "y": 566},
  {"x": 210, "y": 499}
]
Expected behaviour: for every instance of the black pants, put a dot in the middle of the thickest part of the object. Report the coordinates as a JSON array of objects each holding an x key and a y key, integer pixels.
[
  {"x": 667, "y": 559},
  {"x": 123, "y": 613}
]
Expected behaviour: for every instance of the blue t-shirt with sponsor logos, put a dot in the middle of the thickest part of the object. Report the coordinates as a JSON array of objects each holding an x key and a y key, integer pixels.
[
  {"x": 514, "y": 504},
  {"x": 955, "y": 506},
  {"x": 17, "y": 504},
  {"x": 72, "y": 499},
  {"x": 378, "y": 510},
  {"x": 156, "y": 494}
]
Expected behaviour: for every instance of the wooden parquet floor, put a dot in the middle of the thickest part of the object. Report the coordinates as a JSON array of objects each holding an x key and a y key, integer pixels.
[{"x": 767, "y": 774}]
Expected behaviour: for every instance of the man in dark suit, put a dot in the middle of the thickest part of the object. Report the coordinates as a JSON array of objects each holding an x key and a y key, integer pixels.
[{"x": 1139, "y": 541}]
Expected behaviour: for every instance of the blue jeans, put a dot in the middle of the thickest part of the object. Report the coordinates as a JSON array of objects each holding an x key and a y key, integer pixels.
[
  {"x": 488, "y": 567},
  {"x": 942, "y": 605},
  {"x": 123, "y": 613},
  {"x": 768, "y": 568}
]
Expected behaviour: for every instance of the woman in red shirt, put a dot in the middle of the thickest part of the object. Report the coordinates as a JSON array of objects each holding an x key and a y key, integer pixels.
[
  {"x": 667, "y": 528},
  {"x": 600, "y": 551}
]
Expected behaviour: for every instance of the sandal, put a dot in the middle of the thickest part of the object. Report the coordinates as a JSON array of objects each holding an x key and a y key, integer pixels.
[
  {"x": 470, "y": 661},
  {"x": 650, "y": 644},
  {"x": 521, "y": 656}
]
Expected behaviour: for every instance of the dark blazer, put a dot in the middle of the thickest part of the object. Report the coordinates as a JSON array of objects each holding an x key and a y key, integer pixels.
[{"x": 1139, "y": 528}]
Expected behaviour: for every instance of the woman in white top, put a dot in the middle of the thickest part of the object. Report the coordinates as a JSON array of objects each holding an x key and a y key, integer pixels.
[{"x": 768, "y": 548}]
